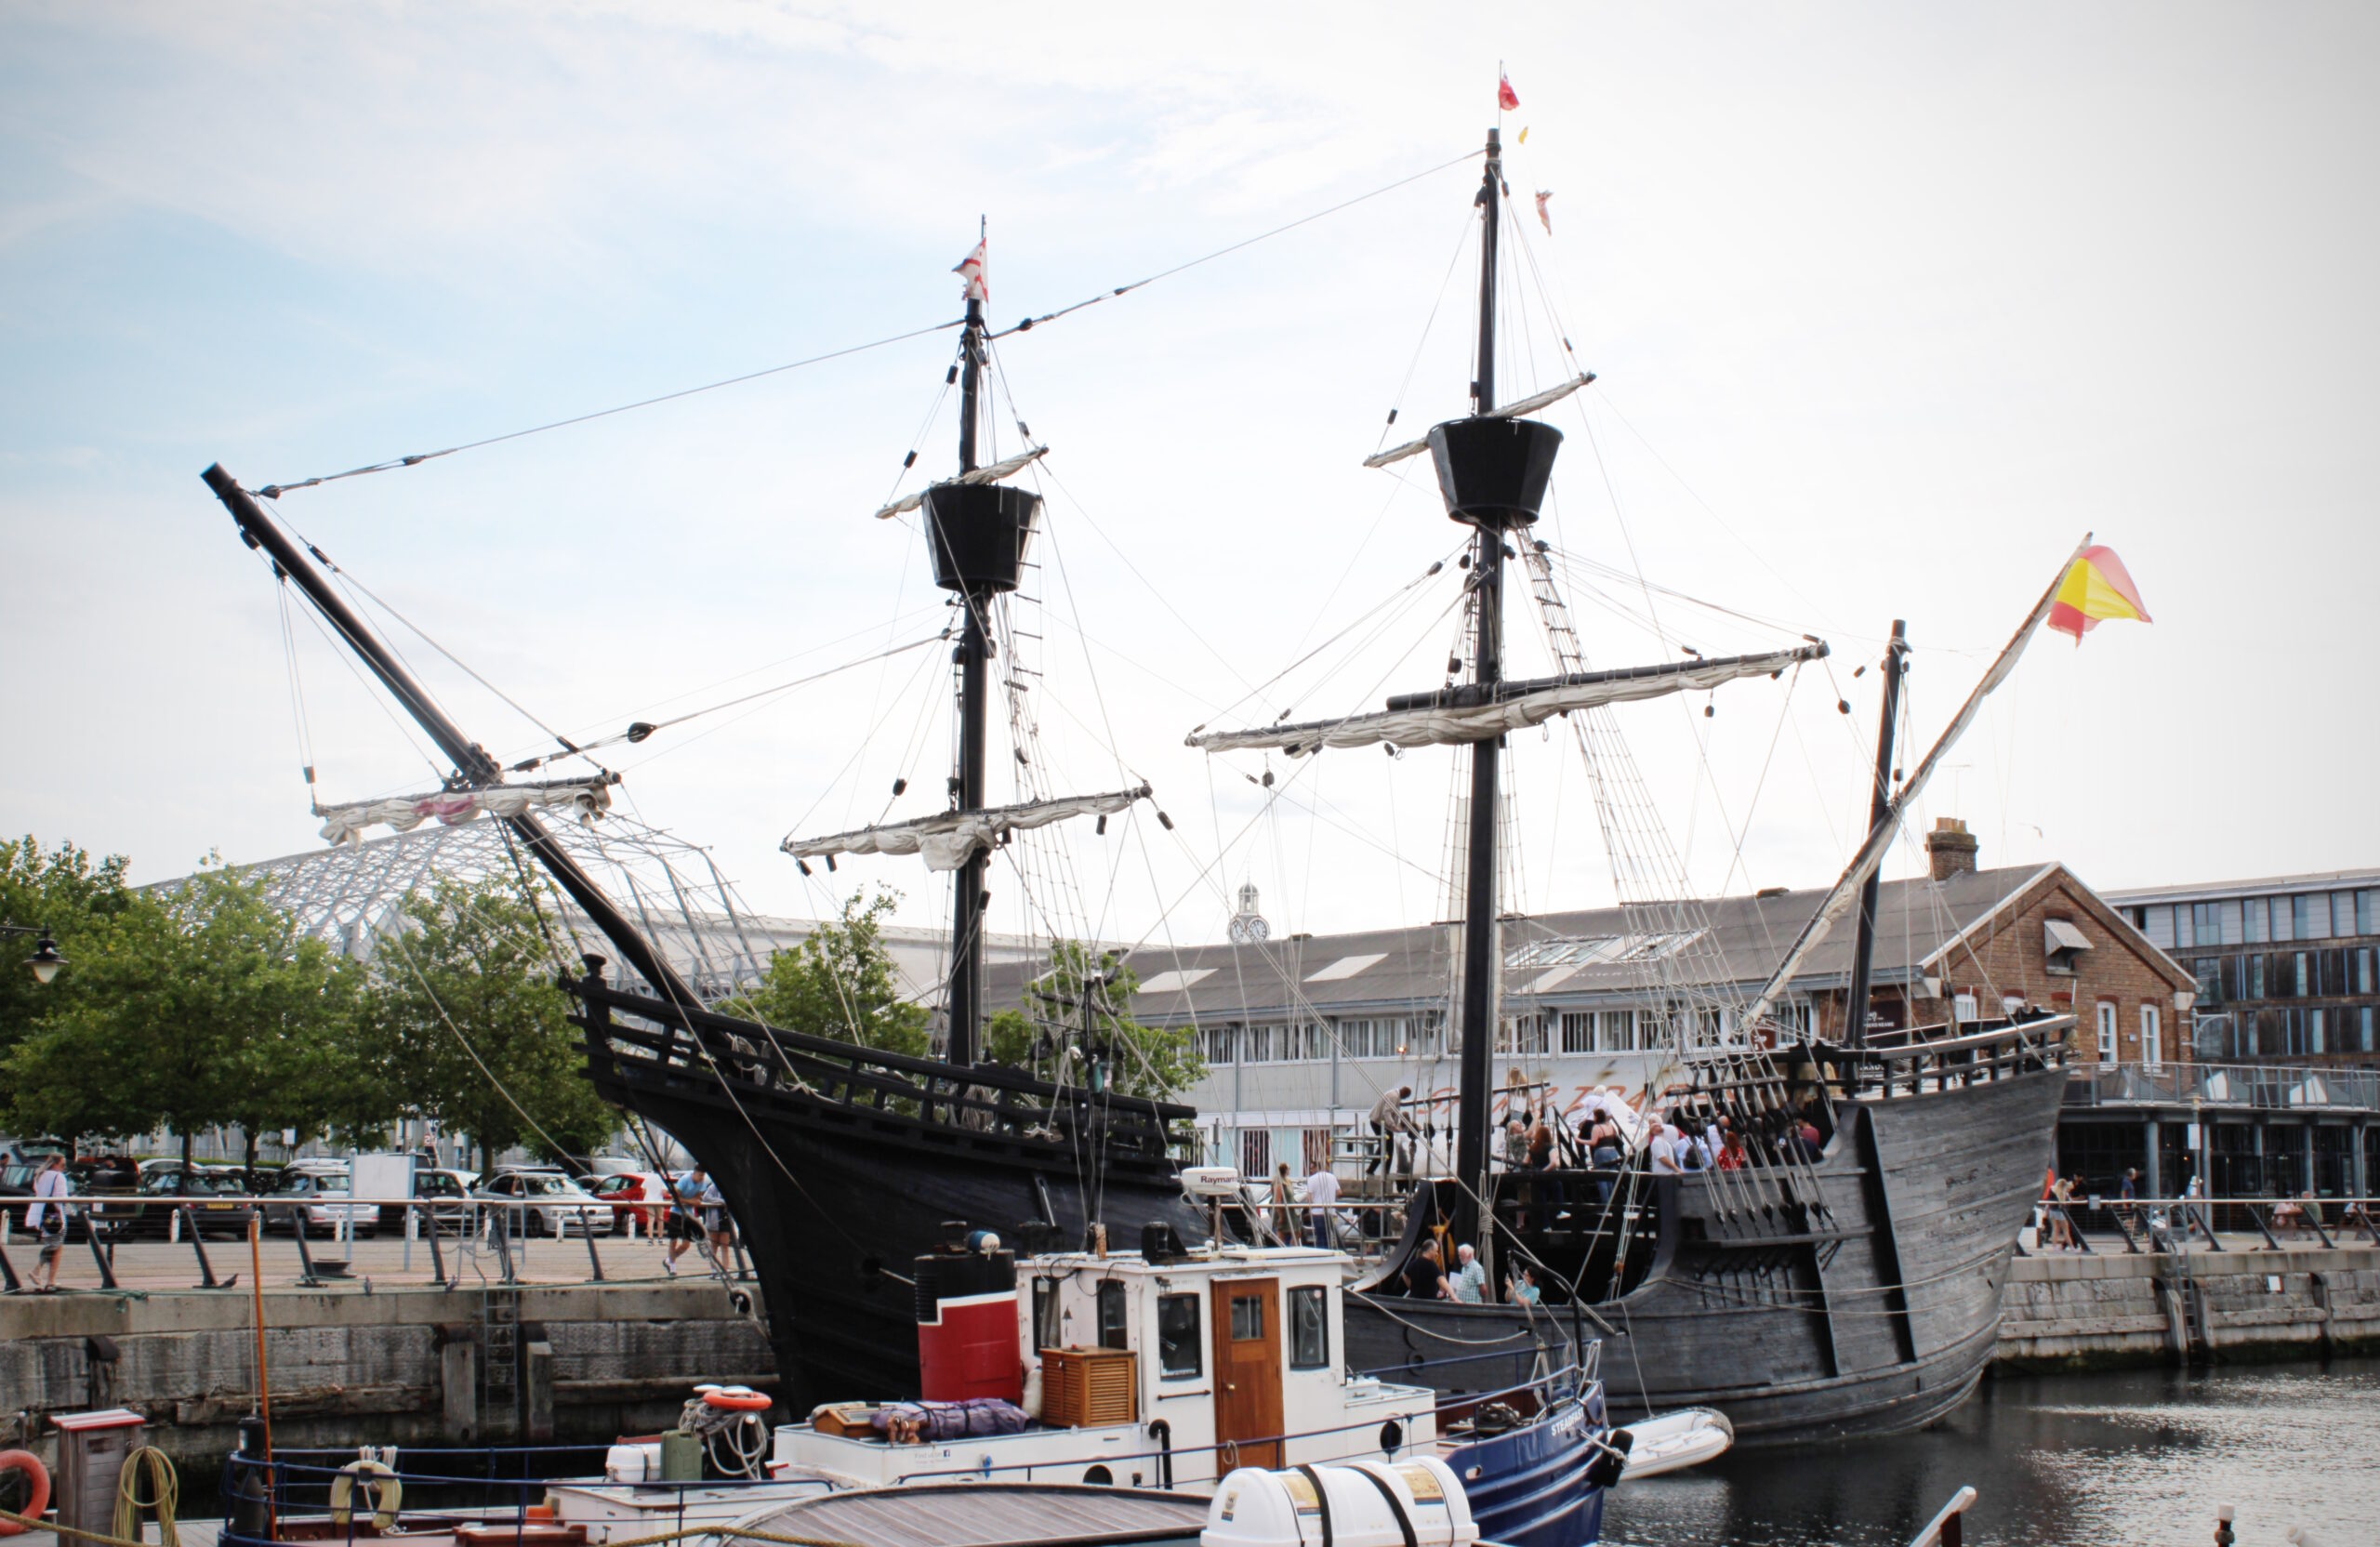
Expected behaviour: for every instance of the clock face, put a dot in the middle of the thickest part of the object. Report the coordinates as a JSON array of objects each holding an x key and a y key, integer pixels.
[{"x": 1249, "y": 930}]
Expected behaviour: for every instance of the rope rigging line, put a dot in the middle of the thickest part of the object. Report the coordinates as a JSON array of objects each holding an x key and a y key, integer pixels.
[{"x": 1031, "y": 322}]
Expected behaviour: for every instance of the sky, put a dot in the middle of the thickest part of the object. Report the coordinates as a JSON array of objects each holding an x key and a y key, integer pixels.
[{"x": 1889, "y": 307}]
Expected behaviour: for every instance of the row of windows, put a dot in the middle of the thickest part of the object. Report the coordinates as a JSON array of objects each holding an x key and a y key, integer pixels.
[
  {"x": 1180, "y": 1352},
  {"x": 1570, "y": 1031},
  {"x": 2152, "y": 1040},
  {"x": 2258, "y": 921},
  {"x": 2291, "y": 1033},
  {"x": 2286, "y": 974}
]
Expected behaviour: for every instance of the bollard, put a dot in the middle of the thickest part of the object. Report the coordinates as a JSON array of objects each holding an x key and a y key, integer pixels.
[
  {"x": 412, "y": 1230},
  {"x": 174, "y": 1227},
  {"x": 197, "y": 1244}
]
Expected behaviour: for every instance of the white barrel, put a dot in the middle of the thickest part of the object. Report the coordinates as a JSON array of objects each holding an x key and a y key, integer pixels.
[
  {"x": 1256, "y": 1508},
  {"x": 631, "y": 1463}
]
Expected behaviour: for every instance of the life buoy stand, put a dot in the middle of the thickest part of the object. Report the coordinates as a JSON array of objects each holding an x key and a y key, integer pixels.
[
  {"x": 739, "y": 1399},
  {"x": 36, "y": 1488},
  {"x": 381, "y": 1486}
]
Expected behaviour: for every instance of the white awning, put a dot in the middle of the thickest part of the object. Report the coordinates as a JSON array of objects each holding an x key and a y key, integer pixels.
[
  {"x": 451, "y": 808},
  {"x": 2063, "y": 936},
  {"x": 992, "y": 474},
  {"x": 1460, "y": 724},
  {"x": 950, "y": 840}
]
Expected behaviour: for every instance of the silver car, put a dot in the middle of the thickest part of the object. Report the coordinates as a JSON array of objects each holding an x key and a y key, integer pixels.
[{"x": 549, "y": 1203}]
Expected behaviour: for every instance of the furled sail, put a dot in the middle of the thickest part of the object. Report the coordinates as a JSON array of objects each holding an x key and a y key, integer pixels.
[
  {"x": 589, "y": 797},
  {"x": 1838, "y": 902},
  {"x": 1462, "y": 715},
  {"x": 1513, "y": 410},
  {"x": 992, "y": 474},
  {"x": 949, "y": 840}
]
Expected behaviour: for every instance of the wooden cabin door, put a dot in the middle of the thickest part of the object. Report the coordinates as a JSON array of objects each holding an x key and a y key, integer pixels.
[{"x": 1247, "y": 1373}]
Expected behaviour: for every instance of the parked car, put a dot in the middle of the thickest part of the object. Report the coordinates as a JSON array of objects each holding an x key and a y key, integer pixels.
[
  {"x": 643, "y": 1196},
  {"x": 448, "y": 1194},
  {"x": 212, "y": 1194},
  {"x": 316, "y": 1192},
  {"x": 546, "y": 1198}
]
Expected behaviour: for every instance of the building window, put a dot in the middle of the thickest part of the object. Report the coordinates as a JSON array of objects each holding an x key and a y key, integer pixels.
[
  {"x": 2152, "y": 1045},
  {"x": 1309, "y": 1329},
  {"x": 1247, "y": 1317},
  {"x": 1963, "y": 1009},
  {"x": 2107, "y": 1032},
  {"x": 1615, "y": 1031},
  {"x": 2160, "y": 928},
  {"x": 2364, "y": 902},
  {"x": 2256, "y": 976},
  {"x": 1177, "y": 1336},
  {"x": 2315, "y": 1026},
  {"x": 2259, "y": 921},
  {"x": 2309, "y": 916},
  {"x": 1577, "y": 1031},
  {"x": 2302, "y": 985},
  {"x": 1111, "y": 1314},
  {"x": 2208, "y": 971}
]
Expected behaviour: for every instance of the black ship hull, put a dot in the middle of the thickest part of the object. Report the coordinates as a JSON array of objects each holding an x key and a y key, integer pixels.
[
  {"x": 1875, "y": 1314},
  {"x": 840, "y": 1170}
]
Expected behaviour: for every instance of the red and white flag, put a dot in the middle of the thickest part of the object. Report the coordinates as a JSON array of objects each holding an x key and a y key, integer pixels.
[
  {"x": 1542, "y": 218},
  {"x": 1506, "y": 97},
  {"x": 971, "y": 268}
]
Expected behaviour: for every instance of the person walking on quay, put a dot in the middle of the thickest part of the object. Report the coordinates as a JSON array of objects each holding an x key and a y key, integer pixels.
[
  {"x": 685, "y": 1218},
  {"x": 45, "y": 1217},
  {"x": 1321, "y": 1196}
]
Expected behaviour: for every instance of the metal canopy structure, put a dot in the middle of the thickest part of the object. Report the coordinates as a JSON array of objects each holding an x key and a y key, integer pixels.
[{"x": 350, "y": 895}]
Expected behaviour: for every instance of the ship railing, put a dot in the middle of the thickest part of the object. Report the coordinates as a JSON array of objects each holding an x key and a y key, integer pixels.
[
  {"x": 1925, "y": 1060},
  {"x": 2147, "y": 1225},
  {"x": 438, "y": 1489},
  {"x": 140, "y": 1237},
  {"x": 985, "y": 1098},
  {"x": 1567, "y": 1384},
  {"x": 2254, "y": 1087}
]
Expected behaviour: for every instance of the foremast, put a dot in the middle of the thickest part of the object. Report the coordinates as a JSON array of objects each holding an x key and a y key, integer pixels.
[{"x": 964, "y": 1000}]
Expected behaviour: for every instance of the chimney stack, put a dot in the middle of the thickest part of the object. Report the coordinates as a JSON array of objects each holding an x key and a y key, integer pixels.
[{"x": 1950, "y": 848}]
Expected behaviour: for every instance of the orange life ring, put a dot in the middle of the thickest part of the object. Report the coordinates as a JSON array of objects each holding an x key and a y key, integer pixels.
[
  {"x": 26, "y": 1462},
  {"x": 742, "y": 1399}
]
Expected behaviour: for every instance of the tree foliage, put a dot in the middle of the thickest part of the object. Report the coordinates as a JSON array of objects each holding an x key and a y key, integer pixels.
[
  {"x": 64, "y": 891},
  {"x": 840, "y": 983},
  {"x": 192, "y": 1008},
  {"x": 1078, "y": 1040},
  {"x": 471, "y": 1029}
]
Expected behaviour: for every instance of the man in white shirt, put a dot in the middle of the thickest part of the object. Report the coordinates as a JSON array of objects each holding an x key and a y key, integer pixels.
[
  {"x": 1663, "y": 1151},
  {"x": 46, "y": 1218},
  {"x": 1469, "y": 1278},
  {"x": 1321, "y": 1193}
]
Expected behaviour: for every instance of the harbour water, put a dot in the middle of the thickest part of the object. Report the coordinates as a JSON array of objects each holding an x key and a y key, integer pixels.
[{"x": 2135, "y": 1459}]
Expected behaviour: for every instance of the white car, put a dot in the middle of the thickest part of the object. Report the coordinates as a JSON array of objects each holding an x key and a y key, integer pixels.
[
  {"x": 316, "y": 1194},
  {"x": 547, "y": 1199}
]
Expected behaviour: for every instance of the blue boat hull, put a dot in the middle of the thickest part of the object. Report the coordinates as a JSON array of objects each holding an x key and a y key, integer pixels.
[{"x": 1528, "y": 1487}]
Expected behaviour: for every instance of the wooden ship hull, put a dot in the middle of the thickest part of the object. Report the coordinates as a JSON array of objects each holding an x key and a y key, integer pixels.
[
  {"x": 840, "y": 1165},
  {"x": 1873, "y": 1311}
]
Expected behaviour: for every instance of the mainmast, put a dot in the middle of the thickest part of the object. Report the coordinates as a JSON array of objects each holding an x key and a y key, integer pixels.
[
  {"x": 1855, "y": 1005},
  {"x": 976, "y": 533},
  {"x": 1479, "y": 958}
]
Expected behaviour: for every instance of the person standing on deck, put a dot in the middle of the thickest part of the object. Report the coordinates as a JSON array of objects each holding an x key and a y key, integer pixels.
[
  {"x": 1321, "y": 1195},
  {"x": 1284, "y": 1220},
  {"x": 1393, "y": 1127},
  {"x": 1469, "y": 1278}
]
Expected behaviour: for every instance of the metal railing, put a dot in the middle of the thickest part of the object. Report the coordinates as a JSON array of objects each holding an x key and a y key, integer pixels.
[
  {"x": 2156, "y": 1224},
  {"x": 452, "y": 1237},
  {"x": 2249, "y": 1087}
]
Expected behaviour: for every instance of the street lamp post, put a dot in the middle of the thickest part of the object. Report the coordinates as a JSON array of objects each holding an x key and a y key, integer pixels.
[{"x": 45, "y": 961}]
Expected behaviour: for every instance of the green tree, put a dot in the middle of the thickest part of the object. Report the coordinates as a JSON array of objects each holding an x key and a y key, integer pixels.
[
  {"x": 840, "y": 983},
  {"x": 191, "y": 1008},
  {"x": 1158, "y": 1062},
  {"x": 61, "y": 890},
  {"x": 471, "y": 1029}
]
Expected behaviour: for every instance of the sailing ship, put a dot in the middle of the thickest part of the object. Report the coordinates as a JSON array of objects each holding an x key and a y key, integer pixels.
[
  {"x": 1858, "y": 1290},
  {"x": 1847, "y": 1286}
]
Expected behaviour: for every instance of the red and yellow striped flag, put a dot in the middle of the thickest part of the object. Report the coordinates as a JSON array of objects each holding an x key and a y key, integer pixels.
[{"x": 2095, "y": 589}]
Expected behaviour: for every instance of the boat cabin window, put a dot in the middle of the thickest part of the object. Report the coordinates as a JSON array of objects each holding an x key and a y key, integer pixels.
[
  {"x": 1046, "y": 1331},
  {"x": 1309, "y": 1329},
  {"x": 1111, "y": 1314},
  {"x": 1177, "y": 1336},
  {"x": 1247, "y": 1318}
]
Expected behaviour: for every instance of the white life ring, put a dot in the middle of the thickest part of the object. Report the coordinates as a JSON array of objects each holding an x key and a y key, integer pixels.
[{"x": 381, "y": 1483}]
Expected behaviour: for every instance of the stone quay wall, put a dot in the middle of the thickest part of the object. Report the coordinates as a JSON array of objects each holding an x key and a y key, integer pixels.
[
  {"x": 2113, "y": 1309},
  {"x": 399, "y": 1367}
]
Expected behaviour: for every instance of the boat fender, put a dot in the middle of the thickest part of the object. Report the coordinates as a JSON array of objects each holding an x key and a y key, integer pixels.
[
  {"x": 1611, "y": 1458},
  {"x": 741, "y": 1399},
  {"x": 380, "y": 1485},
  {"x": 36, "y": 1487}
]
